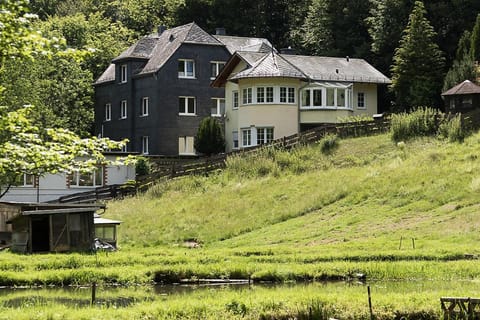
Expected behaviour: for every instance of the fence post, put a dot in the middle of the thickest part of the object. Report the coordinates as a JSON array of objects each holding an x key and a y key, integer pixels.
[
  {"x": 172, "y": 175},
  {"x": 370, "y": 303}
]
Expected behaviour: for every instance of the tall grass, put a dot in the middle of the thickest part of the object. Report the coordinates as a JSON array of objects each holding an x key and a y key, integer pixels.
[
  {"x": 427, "y": 122},
  {"x": 421, "y": 122}
]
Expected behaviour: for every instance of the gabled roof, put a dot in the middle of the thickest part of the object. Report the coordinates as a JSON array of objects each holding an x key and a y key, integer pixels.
[
  {"x": 312, "y": 68},
  {"x": 466, "y": 87},
  {"x": 247, "y": 44},
  {"x": 156, "y": 49}
]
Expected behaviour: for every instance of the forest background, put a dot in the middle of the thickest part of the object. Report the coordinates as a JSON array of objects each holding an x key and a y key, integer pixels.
[{"x": 379, "y": 31}]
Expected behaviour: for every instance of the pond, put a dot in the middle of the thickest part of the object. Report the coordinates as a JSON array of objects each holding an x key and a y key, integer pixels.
[{"x": 122, "y": 296}]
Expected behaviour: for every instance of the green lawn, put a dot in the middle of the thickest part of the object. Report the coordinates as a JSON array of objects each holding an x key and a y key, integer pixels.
[{"x": 391, "y": 212}]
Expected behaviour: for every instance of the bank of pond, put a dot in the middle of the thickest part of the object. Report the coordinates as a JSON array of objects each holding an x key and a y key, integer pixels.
[{"x": 313, "y": 300}]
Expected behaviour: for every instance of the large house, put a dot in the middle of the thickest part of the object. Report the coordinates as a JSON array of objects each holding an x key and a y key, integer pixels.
[
  {"x": 157, "y": 91},
  {"x": 271, "y": 95}
]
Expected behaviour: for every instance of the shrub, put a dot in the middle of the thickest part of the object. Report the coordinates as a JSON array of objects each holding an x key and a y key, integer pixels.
[
  {"x": 142, "y": 166},
  {"x": 421, "y": 122},
  {"x": 329, "y": 143},
  {"x": 453, "y": 129},
  {"x": 209, "y": 139}
]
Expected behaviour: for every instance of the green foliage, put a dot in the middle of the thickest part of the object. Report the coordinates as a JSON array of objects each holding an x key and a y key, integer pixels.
[
  {"x": 328, "y": 24},
  {"x": 102, "y": 38},
  {"x": 463, "y": 67},
  {"x": 453, "y": 129},
  {"x": 420, "y": 122},
  {"x": 25, "y": 148},
  {"x": 59, "y": 87},
  {"x": 427, "y": 122},
  {"x": 209, "y": 139},
  {"x": 475, "y": 40},
  {"x": 328, "y": 144},
  {"x": 142, "y": 166},
  {"x": 417, "y": 70}
]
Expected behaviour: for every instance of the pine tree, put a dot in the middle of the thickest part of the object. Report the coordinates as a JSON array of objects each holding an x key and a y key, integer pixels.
[
  {"x": 475, "y": 40},
  {"x": 417, "y": 70},
  {"x": 463, "y": 67},
  {"x": 209, "y": 139}
]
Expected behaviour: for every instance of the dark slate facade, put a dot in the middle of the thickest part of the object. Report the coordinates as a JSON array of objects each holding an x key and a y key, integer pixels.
[{"x": 152, "y": 72}]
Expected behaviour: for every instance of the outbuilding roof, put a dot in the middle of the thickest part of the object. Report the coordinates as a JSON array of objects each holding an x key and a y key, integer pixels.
[
  {"x": 466, "y": 87},
  {"x": 156, "y": 49}
]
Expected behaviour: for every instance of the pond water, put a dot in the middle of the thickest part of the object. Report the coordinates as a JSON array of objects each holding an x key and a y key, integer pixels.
[{"x": 121, "y": 296}]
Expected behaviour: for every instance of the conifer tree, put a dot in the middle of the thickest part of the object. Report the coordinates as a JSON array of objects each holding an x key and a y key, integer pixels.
[
  {"x": 475, "y": 40},
  {"x": 463, "y": 67},
  {"x": 417, "y": 70},
  {"x": 209, "y": 139}
]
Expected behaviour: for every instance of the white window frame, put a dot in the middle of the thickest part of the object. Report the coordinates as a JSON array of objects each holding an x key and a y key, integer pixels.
[
  {"x": 235, "y": 98},
  {"x": 217, "y": 105},
  {"x": 361, "y": 103},
  {"x": 145, "y": 107},
  {"x": 107, "y": 116},
  {"x": 92, "y": 176},
  {"x": 145, "y": 145},
  {"x": 123, "y": 73},
  {"x": 185, "y": 74},
  {"x": 289, "y": 95},
  {"x": 123, "y": 109},
  {"x": 324, "y": 92},
  {"x": 183, "y": 141},
  {"x": 28, "y": 180},
  {"x": 247, "y": 137},
  {"x": 186, "y": 112},
  {"x": 235, "y": 142},
  {"x": 217, "y": 66},
  {"x": 263, "y": 133},
  {"x": 247, "y": 95}
]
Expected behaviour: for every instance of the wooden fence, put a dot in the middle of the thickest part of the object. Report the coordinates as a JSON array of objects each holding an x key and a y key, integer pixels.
[
  {"x": 169, "y": 168},
  {"x": 460, "y": 308}
]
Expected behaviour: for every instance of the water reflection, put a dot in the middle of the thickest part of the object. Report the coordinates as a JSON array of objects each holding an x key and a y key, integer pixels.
[{"x": 120, "y": 296}]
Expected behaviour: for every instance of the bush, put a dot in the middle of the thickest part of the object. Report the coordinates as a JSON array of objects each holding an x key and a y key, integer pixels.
[
  {"x": 142, "y": 166},
  {"x": 209, "y": 139},
  {"x": 421, "y": 122},
  {"x": 453, "y": 129},
  {"x": 328, "y": 144}
]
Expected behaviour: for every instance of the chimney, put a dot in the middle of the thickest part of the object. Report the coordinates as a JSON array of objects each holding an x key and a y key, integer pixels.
[
  {"x": 220, "y": 32},
  {"x": 161, "y": 29},
  {"x": 288, "y": 50}
]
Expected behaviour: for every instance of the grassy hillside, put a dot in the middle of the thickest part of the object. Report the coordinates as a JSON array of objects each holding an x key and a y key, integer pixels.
[{"x": 363, "y": 198}]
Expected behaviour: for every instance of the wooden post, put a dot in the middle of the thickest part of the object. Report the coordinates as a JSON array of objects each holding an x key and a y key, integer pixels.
[
  {"x": 370, "y": 303},
  {"x": 400, "y": 246},
  {"x": 94, "y": 289},
  {"x": 413, "y": 243}
]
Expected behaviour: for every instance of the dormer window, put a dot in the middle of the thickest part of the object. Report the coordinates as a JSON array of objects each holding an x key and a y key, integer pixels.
[
  {"x": 123, "y": 73},
  {"x": 186, "y": 68}
]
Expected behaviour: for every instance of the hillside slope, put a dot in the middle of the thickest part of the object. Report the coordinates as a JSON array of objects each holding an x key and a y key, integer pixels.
[{"x": 366, "y": 196}]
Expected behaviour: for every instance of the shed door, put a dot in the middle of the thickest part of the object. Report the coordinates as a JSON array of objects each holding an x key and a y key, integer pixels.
[
  {"x": 60, "y": 236},
  {"x": 40, "y": 233}
]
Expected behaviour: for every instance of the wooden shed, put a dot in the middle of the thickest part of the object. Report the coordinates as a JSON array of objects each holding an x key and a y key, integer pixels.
[
  {"x": 106, "y": 230},
  {"x": 42, "y": 227},
  {"x": 462, "y": 98}
]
